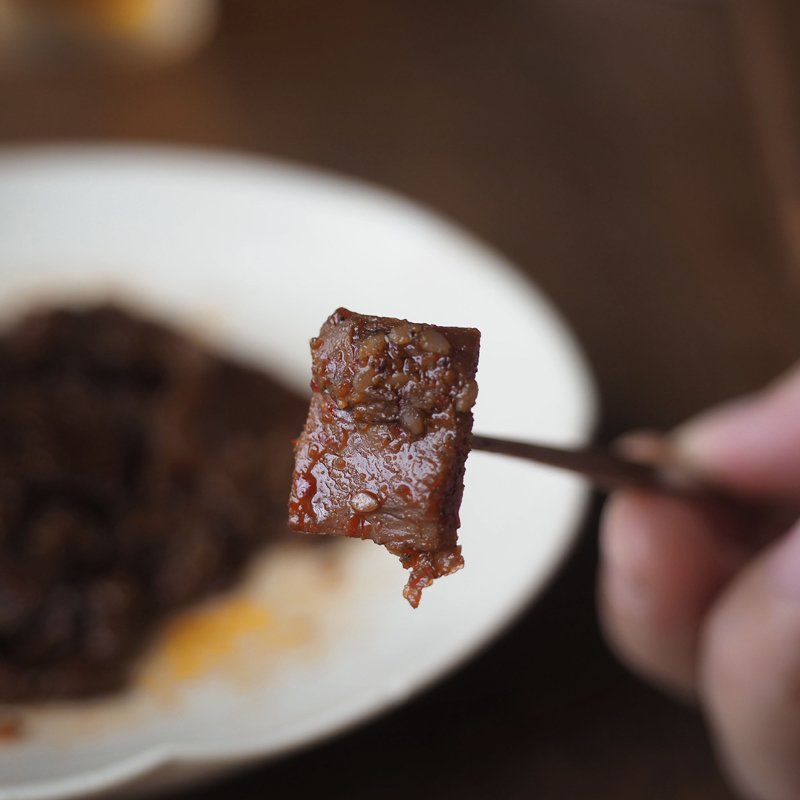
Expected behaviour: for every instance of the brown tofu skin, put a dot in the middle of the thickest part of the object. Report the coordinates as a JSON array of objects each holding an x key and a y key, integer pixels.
[{"x": 383, "y": 451}]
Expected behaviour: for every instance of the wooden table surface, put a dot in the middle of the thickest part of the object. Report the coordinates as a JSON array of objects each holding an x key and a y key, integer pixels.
[{"x": 607, "y": 147}]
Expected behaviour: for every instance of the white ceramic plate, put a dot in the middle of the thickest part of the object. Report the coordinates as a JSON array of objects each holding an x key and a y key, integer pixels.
[{"x": 255, "y": 254}]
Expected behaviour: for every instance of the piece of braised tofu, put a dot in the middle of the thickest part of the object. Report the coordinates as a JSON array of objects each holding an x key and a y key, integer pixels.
[{"x": 383, "y": 451}]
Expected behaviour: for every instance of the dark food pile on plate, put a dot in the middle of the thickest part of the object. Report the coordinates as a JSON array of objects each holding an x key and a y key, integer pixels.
[{"x": 138, "y": 472}]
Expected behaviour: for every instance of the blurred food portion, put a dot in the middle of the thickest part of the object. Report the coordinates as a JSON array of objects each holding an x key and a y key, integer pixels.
[
  {"x": 138, "y": 472},
  {"x": 113, "y": 17},
  {"x": 46, "y": 33}
]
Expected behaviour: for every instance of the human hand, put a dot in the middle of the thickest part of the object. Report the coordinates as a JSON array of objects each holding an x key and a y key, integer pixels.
[{"x": 696, "y": 599}]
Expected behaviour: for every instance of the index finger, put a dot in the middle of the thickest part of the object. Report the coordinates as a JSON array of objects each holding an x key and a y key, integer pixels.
[{"x": 751, "y": 445}]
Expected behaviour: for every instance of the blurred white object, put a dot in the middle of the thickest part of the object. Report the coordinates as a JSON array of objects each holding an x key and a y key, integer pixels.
[
  {"x": 256, "y": 254},
  {"x": 54, "y": 33}
]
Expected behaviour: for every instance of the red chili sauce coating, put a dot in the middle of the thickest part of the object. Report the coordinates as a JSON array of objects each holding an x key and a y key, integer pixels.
[{"x": 383, "y": 451}]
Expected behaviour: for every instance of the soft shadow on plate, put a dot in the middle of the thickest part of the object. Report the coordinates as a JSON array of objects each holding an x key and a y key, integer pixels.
[{"x": 253, "y": 255}]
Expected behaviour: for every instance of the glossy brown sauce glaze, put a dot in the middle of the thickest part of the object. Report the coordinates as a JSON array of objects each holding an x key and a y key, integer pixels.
[
  {"x": 138, "y": 472},
  {"x": 383, "y": 452}
]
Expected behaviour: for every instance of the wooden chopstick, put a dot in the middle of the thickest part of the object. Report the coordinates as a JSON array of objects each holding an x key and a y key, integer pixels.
[
  {"x": 603, "y": 468},
  {"x": 609, "y": 470}
]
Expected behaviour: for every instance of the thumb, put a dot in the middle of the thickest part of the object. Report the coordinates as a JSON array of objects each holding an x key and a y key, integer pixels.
[
  {"x": 751, "y": 444},
  {"x": 750, "y": 673}
]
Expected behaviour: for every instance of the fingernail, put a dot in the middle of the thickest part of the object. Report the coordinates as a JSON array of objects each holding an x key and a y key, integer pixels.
[
  {"x": 644, "y": 446},
  {"x": 704, "y": 441},
  {"x": 657, "y": 449},
  {"x": 784, "y": 565}
]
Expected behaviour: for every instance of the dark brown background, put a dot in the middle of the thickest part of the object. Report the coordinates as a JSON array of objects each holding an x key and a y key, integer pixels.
[{"x": 608, "y": 147}]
